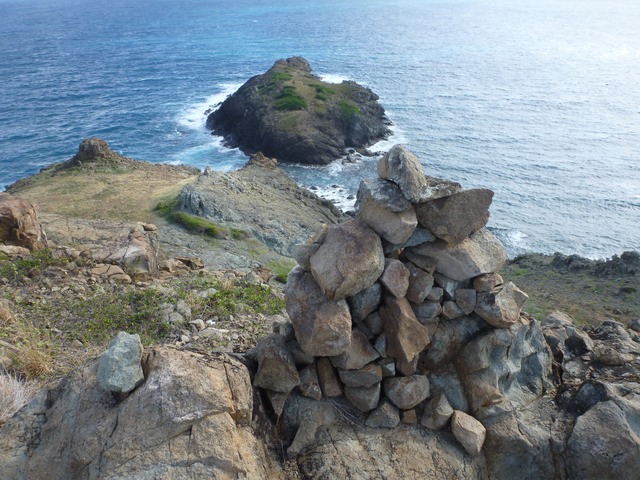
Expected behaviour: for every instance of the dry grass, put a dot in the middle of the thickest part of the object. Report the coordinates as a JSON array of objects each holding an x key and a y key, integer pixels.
[{"x": 14, "y": 393}]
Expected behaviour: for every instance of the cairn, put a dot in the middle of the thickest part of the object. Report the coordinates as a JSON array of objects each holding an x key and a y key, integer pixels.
[{"x": 400, "y": 311}]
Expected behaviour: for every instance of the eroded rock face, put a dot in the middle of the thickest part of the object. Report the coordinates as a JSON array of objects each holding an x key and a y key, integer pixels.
[
  {"x": 350, "y": 260},
  {"x": 19, "y": 223},
  {"x": 162, "y": 430},
  {"x": 322, "y": 326}
]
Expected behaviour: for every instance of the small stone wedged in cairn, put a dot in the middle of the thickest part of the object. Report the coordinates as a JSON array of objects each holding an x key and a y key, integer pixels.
[
  {"x": 466, "y": 299},
  {"x": 309, "y": 383},
  {"x": 350, "y": 260},
  {"x": 302, "y": 252},
  {"x": 406, "y": 392},
  {"x": 365, "y": 302},
  {"x": 457, "y": 216},
  {"x": 364, "y": 399},
  {"x": 468, "y": 431},
  {"x": 395, "y": 277},
  {"x": 327, "y": 378},
  {"x": 437, "y": 412},
  {"x": 487, "y": 282},
  {"x": 276, "y": 368},
  {"x": 420, "y": 284},
  {"x": 419, "y": 236},
  {"x": 406, "y": 337},
  {"x": 358, "y": 353},
  {"x": 364, "y": 377},
  {"x": 322, "y": 326},
  {"x": 382, "y": 208},
  {"x": 386, "y": 415}
]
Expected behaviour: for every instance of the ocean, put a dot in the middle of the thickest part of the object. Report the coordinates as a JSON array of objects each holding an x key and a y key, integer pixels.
[{"x": 538, "y": 100}]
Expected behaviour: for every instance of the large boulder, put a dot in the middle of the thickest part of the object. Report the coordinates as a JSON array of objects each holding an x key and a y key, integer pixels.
[
  {"x": 293, "y": 115},
  {"x": 481, "y": 253},
  {"x": 454, "y": 218},
  {"x": 163, "y": 429},
  {"x": 350, "y": 260},
  {"x": 322, "y": 326},
  {"x": 19, "y": 223}
]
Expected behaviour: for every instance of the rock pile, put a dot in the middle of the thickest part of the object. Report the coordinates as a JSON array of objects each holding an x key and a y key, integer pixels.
[{"x": 401, "y": 305}]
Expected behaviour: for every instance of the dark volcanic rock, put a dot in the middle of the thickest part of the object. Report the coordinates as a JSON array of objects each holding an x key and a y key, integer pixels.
[{"x": 291, "y": 114}]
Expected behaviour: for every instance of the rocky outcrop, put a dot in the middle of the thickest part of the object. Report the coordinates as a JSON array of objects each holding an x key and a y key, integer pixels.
[
  {"x": 293, "y": 115},
  {"x": 260, "y": 199},
  {"x": 19, "y": 225}
]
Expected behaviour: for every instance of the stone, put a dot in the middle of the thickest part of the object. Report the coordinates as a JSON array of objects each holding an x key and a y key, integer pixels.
[
  {"x": 309, "y": 383},
  {"x": 481, "y": 253},
  {"x": 395, "y": 277},
  {"x": 302, "y": 252},
  {"x": 119, "y": 368},
  {"x": 487, "y": 282},
  {"x": 565, "y": 340},
  {"x": 420, "y": 284},
  {"x": 448, "y": 286},
  {"x": 466, "y": 299},
  {"x": 358, "y": 353},
  {"x": 374, "y": 323},
  {"x": 436, "y": 294},
  {"x": 322, "y": 326},
  {"x": 386, "y": 415},
  {"x": 395, "y": 227},
  {"x": 388, "y": 367},
  {"x": 454, "y": 218},
  {"x": 426, "y": 311},
  {"x": 634, "y": 325},
  {"x": 451, "y": 336},
  {"x": 409, "y": 417},
  {"x": 329, "y": 383},
  {"x": 406, "y": 392},
  {"x": 425, "y": 263},
  {"x": 437, "y": 412},
  {"x": 19, "y": 224},
  {"x": 503, "y": 308},
  {"x": 468, "y": 431},
  {"x": 420, "y": 235},
  {"x": 301, "y": 358},
  {"x": 451, "y": 310},
  {"x": 406, "y": 337},
  {"x": 365, "y": 302},
  {"x": 137, "y": 254},
  {"x": 604, "y": 443},
  {"x": 350, "y": 260},
  {"x": 364, "y": 377},
  {"x": 277, "y": 400},
  {"x": 276, "y": 367},
  {"x": 403, "y": 168},
  {"x": 385, "y": 193},
  {"x": 364, "y": 399},
  {"x": 381, "y": 345}
]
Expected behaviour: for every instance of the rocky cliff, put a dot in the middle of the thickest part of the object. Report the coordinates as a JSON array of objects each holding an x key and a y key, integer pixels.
[{"x": 292, "y": 115}]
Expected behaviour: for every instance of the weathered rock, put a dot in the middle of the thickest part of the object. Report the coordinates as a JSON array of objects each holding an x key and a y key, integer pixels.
[
  {"x": 455, "y": 217},
  {"x": 365, "y": 302},
  {"x": 386, "y": 415},
  {"x": 435, "y": 295},
  {"x": 393, "y": 226},
  {"x": 395, "y": 277},
  {"x": 487, "y": 282},
  {"x": 276, "y": 367},
  {"x": 350, "y": 260},
  {"x": 309, "y": 383},
  {"x": 163, "y": 429},
  {"x": 301, "y": 358},
  {"x": 451, "y": 336},
  {"x": 468, "y": 431},
  {"x": 437, "y": 412},
  {"x": 426, "y": 311},
  {"x": 403, "y": 168},
  {"x": 19, "y": 224},
  {"x": 119, "y": 368},
  {"x": 451, "y": 310},
  {"x": 306, "y": 417},
  {"x": 365, "y": 377},
  {"x": 406, "y": 337},
  {"x": 302, "y": 252},
  {"x": 385, "y": 193},
  {"x": 563, "y": 337},
  {"x": 420, "y": 235},
  {"x": 358, "y": 353},
  {"x": 448, "y": 286},
  {"x": 481, "y": 253},
  {"x": 501, "y": 309},
  {"x": 277, "y": 400},
  {"x": 466, "y": 299},
  {"x": 381, "y": 344},
  {"x": 420, "y": 284},
  {"x": 322, "y": 326},
  {"x": 364, "y": 399},
  {"x": 605, "y": 443},
  {"x": 501, "y": 367},
  {"x": 613, "y": 345},
  {"x": 329, "y": 383},
  {"x": 406, "y": 392},
  {"x": 409, "y": 417},
  {"x": 137, "y": 254}
]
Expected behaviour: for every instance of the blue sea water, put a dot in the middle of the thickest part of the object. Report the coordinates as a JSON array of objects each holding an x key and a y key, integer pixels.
[{"x": 538, "y": 100}]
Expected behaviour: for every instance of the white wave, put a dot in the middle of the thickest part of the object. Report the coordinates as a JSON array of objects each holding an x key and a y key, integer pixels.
[
  {"x": 397, "y": 136},
  {"x": 338, "y": 195},
  {"x": 194, "y": 116},
  {"x": 333, "y": 78}
]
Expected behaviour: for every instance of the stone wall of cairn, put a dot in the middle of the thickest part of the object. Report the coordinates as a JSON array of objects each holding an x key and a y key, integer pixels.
[{"x": 400, "y": 311}]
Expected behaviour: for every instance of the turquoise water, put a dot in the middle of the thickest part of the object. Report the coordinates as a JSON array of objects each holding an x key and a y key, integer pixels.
[{"x": 537, "y": 100}]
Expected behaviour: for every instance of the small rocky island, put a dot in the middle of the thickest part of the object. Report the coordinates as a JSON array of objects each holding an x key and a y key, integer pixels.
[{"x": 292, "y": 115}]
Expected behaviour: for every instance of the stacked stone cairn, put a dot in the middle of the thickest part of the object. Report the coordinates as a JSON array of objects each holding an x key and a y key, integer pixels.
[{"x": 400, "y": 311}]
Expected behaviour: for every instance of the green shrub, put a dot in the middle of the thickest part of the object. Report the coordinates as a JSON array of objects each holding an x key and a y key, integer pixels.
[
  {"x": 282, "y": 76},
  {"x": 288, "y": 99},
  {"x": 36, "y": 263},
  {"x": 323, "y": 92},
  {"x": 348, "y": 109},
  {"x": 199, "y": 225}
]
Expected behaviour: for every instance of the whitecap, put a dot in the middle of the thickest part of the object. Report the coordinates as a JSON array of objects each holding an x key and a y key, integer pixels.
[
  {"x": 333, "y": 78},
  {"x": 194, "y": 116}
]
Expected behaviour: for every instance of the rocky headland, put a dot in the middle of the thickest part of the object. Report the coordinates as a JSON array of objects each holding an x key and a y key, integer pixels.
[
  {"x": 292, "y": 115},
  {"x": 400, "y": 346}
]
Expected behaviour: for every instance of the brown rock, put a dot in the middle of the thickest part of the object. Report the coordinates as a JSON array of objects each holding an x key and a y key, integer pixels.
[
  {"x": 420, "y": 284},
  {"x": 466, "y": 299},
  {"x": 395, "y": 277},
  {"x": 350, "y": 260},
  {"x": 358, "y": 353},
  {"x": 451, "y": 310},
  {"x": 456, "y": 217},
  {"x": 365, "y": 377},
  {"x": 309, "y": 384},
  {"x": 501, "y": 309},
  {"x": 406, "y": 337},
  {"x": 468, "y": 431},
  {"x": 487, "y": 282},
  {"x": 322, "y": 326},
  {"x": 276, "y": 368},
  {"x": 19, "y": 223},
  {"x": 406, "y": 392},
  {"x": 437, "y": 412},
  {"x": 364, "y": 399},
  {"x": 329, "y": 383}
]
